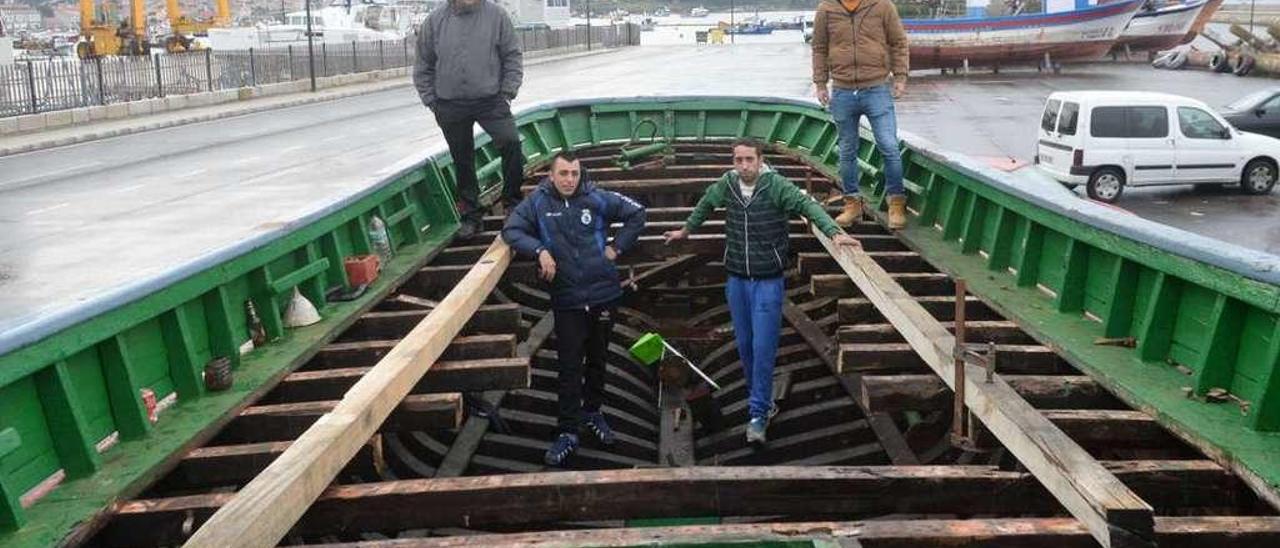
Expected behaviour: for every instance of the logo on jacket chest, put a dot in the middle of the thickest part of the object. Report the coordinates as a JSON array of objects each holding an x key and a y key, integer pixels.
[{"x": 586, "y": 217}]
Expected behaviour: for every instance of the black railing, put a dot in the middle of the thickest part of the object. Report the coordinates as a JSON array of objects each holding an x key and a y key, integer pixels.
[{"x": 36, "y": 86}]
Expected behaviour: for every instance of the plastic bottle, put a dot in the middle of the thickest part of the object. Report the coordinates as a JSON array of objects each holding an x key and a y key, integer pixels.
[{"x": 379, "y": 240}]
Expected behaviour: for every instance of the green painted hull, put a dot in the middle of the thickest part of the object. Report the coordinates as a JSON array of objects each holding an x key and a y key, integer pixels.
[{"x": 1070, "y": 273}]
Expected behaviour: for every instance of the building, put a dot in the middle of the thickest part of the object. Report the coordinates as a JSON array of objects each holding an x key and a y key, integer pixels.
[
  {"x": 20, "y": 17},
  {"x": 553, "y": 13}
]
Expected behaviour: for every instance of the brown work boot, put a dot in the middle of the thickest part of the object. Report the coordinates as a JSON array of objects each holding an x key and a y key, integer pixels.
[
  {"x": 897, "y": 212},
  {"x": 852, "y": 211}
]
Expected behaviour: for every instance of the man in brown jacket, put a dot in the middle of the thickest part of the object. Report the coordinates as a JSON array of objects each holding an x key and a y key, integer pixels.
[{"x": 861, "y": 47}]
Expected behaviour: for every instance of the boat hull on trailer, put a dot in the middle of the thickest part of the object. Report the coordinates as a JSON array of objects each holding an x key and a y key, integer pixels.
[
  {"x": 1160, "y": 29},
  {"x": 1075, "y": 36}
]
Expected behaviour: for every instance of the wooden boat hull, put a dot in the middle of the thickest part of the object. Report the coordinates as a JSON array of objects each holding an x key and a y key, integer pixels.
[
  {"x": 1160, "y": 29},
  {"x": 1077, "y": 36}
]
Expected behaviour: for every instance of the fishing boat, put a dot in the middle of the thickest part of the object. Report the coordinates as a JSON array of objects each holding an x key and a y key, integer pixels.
[
  {"x": 699, "y": 12},
  {"x": 1071, "y": 36},
  {"x": 1206, "y": 15},
  {"x": 1139, "y": 369},
  {"x": 662, "y": 11},
  {"x": 1160, "y": 28},
  {"x": 748, "y": 28}
]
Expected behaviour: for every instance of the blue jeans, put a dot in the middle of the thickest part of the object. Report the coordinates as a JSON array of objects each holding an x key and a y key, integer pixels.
[
  {"x": 756, "y": 309},
  {"x": 847, "y": 108}
]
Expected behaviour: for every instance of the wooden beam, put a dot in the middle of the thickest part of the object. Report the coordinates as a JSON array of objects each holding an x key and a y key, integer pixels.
[
  {"x": 548, "y": 497},
  {"x": 1171, "y": 532},
  {"x": 893, "y": 393},
  {"x": 882, "y": 424},
  {"x": 379, "y": 325},
  {"x": 916, "y": 283},
  {"x": 444, "y": 377},
  {"x": 941, "y": 308},
  {"x": 223, "y": 465},
  {"x": 262, "y": 512},
  {"x": 901, "y": 357},
  {"x": 464, "y": 446},
  {"x": 1114, "y": 515},
  {"x": 998, "y": 331},
  {"x": 364, "y": 353},
  {"x": 286, "y": 421}
]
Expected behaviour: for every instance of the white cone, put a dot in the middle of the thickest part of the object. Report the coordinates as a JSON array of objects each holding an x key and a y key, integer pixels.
[{"x": 300, "y": 312}]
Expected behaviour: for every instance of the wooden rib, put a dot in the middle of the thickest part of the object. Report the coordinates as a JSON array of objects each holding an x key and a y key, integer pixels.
[
  {"x": 893, "y": 393},
  {"x": 445, "y": 376},
  {"x": 267, "y": 507}
]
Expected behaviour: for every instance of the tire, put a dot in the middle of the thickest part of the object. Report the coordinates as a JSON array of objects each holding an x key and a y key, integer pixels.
[
  {"x": 1163, "y": 60},
  {"x": 1105, "y": 185},
  {"x": 1259, "y": 177},
  {"x": 1243, "y": 65},
  {"x": 1220, "y": 62}
]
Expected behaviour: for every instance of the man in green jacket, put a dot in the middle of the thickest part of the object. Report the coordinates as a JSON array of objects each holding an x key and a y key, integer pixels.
[{"x": 758, "y": 204}]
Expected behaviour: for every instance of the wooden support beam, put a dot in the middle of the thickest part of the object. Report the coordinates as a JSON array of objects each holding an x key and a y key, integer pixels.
[
  {"x": 894, "y": 393},
  {"x": 893, "y": 261},
  {"x": 268, "y": 506},
  {"x": 915, "y": 283},
  {"x": 882, "y": 424},
  {"x": 1112, "y": 428},
  {"x": 996, "y": 331},
  {"x": 489, "y": 319},
  {"x": 1114, "y": 515},
  {"x": 861, "y": 310},
  {"x": 233, "y": 465},
  {"x": 534, "y": 498},
  {"x": 364, "y": 353},
  {"x": 464, "y": 446},
  {"x": 286, "y": 421},
  {"x": 444, "y": 377},
  {"x": 1171, "y": 532},
  {"x": 902, "y": 358}
]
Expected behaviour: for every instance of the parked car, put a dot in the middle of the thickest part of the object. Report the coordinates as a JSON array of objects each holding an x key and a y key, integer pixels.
[
  {"x": 1257, "y": 112},
  {"x": 1110, "y": 140}
]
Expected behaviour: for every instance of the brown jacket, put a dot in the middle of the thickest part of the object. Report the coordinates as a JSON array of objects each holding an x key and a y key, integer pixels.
[{"x": 861, "y": 58}]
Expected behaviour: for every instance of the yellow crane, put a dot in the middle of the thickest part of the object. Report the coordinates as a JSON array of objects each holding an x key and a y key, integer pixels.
[
  {"x": 103, "y": 35},
  {"x": 185, "y": 27}
]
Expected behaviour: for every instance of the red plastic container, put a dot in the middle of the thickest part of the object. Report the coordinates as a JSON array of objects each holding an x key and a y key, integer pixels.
[{"x": 361, "y": 269}]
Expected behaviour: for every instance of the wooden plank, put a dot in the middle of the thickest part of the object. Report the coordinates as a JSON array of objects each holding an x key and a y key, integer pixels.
[
  {"x": 469, "y": 437},
  {"x": 1114, "y": 515},
  {"x": 901, "y": 357},
  {"x": 285, "y": 421},
  {"x": 443, "y": 377},
  {"x": 393, "y": 324},
  {"x": 885, "y": 429},
  {"x": 223, "y": 465},
  {"x": 267, "y": 507},
  {"x": 364, "y": 353},
  {"x": 861, "y": 310},
  {"x": 1171, "y": 532},
  {"x": 997, "y": 331},
  {"x": 892, "y": 393},
  {"x": 547, "y": 497},
  {"x": 123, "y": 389},
  {"x": 916, "y": 283}
]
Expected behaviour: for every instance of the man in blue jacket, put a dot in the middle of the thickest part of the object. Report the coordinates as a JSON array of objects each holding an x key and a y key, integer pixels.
[{"x": 564, "y": 223}]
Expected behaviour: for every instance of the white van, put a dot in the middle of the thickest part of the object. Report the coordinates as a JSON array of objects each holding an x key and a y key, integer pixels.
[{"x": 1107, "y": 140}]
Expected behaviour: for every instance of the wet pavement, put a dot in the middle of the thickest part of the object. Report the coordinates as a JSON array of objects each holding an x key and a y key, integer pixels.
[
  {"x": 995, "y": 116},
  {"x": 79, "y": 221}
]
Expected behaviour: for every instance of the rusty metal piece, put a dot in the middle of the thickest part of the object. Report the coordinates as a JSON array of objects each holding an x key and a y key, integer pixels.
[{"x": 958, "y": 423}]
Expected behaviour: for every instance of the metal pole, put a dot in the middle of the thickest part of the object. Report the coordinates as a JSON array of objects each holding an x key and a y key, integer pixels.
[
  {"x": 1251, "y": 4},
  {"x": 382, "y": 55},
  {"x": 31, "y": 86},
  {"x": 732, "y": 34},
  {"x": 291, "y": 75},
  {"x": 155, "y": 62},
  {"x": 208, "y": 67},
  {"x": 405, "y": 42},
  {"x": 311, "y": 50},
  {"x": 324, "y": 58},
  {"x": 253, "y": 70},
  {"x": 355, "y": 61},
  {"x": 957, "y": 427},
  {"x": 588, "y": 25},
  {"x": 102, "y": 89}
]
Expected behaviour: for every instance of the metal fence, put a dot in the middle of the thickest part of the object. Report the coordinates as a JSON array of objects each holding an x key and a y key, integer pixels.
[{"x": 56, "y": 84}]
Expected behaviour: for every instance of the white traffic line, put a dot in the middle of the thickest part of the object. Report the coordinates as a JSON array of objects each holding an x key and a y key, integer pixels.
[{"x": 47, "y": 209}]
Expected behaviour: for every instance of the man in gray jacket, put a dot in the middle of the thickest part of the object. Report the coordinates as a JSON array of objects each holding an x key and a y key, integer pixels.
[{"x": 468, "y": 70}]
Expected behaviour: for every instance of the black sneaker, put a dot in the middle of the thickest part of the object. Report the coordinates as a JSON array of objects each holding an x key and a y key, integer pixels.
[
  {"x": 596, "y": 424},
  {"x": 560, "y": 449},
  {"x": 468, "y": 228}
]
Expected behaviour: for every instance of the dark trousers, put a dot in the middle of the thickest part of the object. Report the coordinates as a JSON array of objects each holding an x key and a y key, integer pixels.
[
  {"x": 457, "y": 119},
  {"x": 581, "y": 334}
]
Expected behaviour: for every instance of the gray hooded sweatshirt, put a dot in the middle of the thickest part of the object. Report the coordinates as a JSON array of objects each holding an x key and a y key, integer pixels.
[{"x": 469, "y": 53}]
